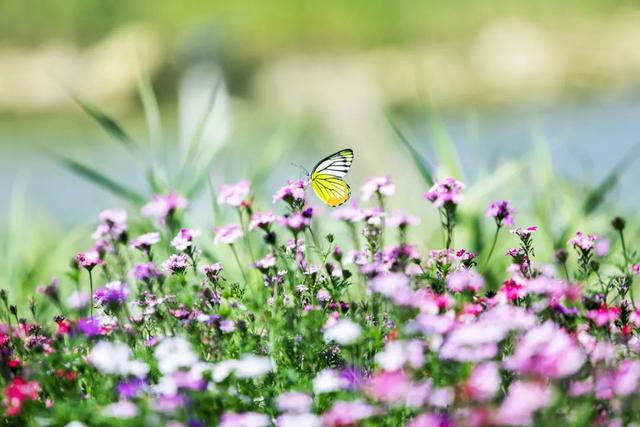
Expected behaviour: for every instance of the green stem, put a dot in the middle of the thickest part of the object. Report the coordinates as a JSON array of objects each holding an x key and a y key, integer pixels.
[
  {"x": 91, "y": 294},
  {"x": 624, "y": 248},
  {"x": 493, "y": 245},
  {"x": 235, "y": 254}
]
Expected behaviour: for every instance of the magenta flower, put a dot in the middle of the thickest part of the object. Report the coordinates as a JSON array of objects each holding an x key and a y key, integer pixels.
[
  {"x": 388, "y": 387},
  {"x": 296, "y": 222},
  {"x": 635, "y": 269},
  {"x": 431, "y": 420},
  {"x": 89, "y": 260},
  {"x": 176, "y": 263},
  {"x": 445, "y": 191},
  {"x": 381, "y": 185},
  {"x": 344, "y": 413},
  {"x": 184, "y": 238},
  {"x": 501, "y": 212},
  {"x": 233, "y": 194},
  {"x": 261, "y": 220},
  {"x": 227, "y": 234},
  {"x": 524, "y": 233},
  {"x": 292, "y": 192},
  {"x": 162, "y": 207},
  {"x": 462, "y": 280},
  {"x": 145, "y": 241},
  {"x": 603, "y": 315},
  {"x": 522, "y": 401},
  {"x": 547, "y": 351},
  {"x": 583, "y": 241}
]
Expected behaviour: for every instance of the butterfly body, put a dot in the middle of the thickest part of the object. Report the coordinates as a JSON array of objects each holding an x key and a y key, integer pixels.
[{"x": 327, "y": 178}]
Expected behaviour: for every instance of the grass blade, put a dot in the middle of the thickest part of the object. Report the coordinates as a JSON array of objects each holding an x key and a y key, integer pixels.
[
  {"x": 107, "y": 123},
  {"x": 101, "y": 180},
  {"x": 421, "y": 163}
]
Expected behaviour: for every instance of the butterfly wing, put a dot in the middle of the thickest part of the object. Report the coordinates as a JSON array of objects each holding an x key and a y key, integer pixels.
[
  {"x": 326, "y": 178},
  {"x": 336, "y": 165},
  {"x": 331, "y": 190}
]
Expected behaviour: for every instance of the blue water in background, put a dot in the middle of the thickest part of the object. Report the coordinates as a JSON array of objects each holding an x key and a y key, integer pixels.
[{"x": 586, "y": 139}]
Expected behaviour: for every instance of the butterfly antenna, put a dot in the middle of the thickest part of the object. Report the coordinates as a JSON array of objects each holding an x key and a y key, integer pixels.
[{"x": 302, "y": 169}]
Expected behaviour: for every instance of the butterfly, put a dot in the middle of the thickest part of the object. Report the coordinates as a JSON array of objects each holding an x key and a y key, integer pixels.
[{"x": 326, "y": 178}]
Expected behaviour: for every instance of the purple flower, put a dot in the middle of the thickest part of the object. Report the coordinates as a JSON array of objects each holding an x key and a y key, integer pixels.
[
  {"x": 524, "y": 233},
  {"x": 459, "y": 281},
  {"x": 381, "y": 185},
  {"x": 233, "y": 194},
  {"x": 88, "y": 260},
  {"x": 246, "y": 419},
  {"x": 265, "y": 263},
  {"x": 348, "y": 214},
  {"x": 176, "y": 263},
  {"x": 145, "y": 241},
  {"x": 501, "y": 212},
  {"x": 131, "y": 388},
  {"x": 261, "y": 220},
  {"x": 113, "y": 224},
  {"x": 402, "y": 220},
  {"x": 162, "y": 207},
  {"x": 212, "y": 271},
  {"x": 90, "y": 326},
  {"x": 295, "y": 222},
  {"x": 227, "y": 234},
  {"x": 292, "y": 192},
  {"x": 168, "y": 403},
  {"x": 184, "y": 238},
  {"x": 146, "y": 271},
  {"x": 113, "y": 294},
  {"x": 583, "y": 241},
  {"x": 445, "y": 191}
]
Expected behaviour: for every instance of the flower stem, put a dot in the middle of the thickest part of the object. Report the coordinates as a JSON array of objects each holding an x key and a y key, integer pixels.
[
  {"x": 235, "y": 254},
  {"x": 624, "y": 248},
  {"x": 90, "y": 294},
  {"x": 493, "y": 245}
]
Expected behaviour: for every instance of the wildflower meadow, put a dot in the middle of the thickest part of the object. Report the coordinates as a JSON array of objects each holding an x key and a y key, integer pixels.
[{"x": 297, "y": 327}]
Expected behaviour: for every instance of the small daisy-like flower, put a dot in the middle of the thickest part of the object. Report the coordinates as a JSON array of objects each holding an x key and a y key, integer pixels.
[
  {"x": 144, "y": 241},
  {"x": 261, "y": 220},
  {"x": 583, "y": 241},
  {"x": 184, "y": 238},
  {"x": 176, "y": 263},
  {"x": 293, "y": 191},
  {"x": 525, "y": 232},
  {"x": 227, "y": 234},
  {"x": 445, "y": 191},
  {"x": 233, "y": 194},
  {"x": 380, "y": 184},
  {"x": 501, "y": 212},
  {"x": 163, "y": 206}
]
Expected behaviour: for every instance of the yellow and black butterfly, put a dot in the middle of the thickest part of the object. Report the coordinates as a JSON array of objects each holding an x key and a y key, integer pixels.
[{"x": 326, "y": 178}]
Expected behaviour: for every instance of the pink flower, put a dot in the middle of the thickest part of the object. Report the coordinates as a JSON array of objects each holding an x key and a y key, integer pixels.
[
  {"x": 603, "y": 315},
  {"x": 501, "y": 212},
  {"x": 293, "y": 191},
  {"x": 380, "y": 184},
  {"x": 583, "y": 241},
  {"x": 602, "y": 247},
  {"x": 176, "y": 263},
  {"x": 261, "y": 220},
  {"x": 161, "y": 207},
  {"x": 344, "y": 413},
  {"x": 402, "y": 220},
  {"x": 389, "y": 284},
  {"x": 484, "y": 382},
  {"x": 445, "y": 191},
  {"x": 388, "y": 387},
  {"x": 113, "y": 224},
  {"x": 183, "y": 239},
  {"x": 245, "y": 419},
  {"x": 227, "y": 234},
  {"x": 89, "y": 260},
  {"x": 635, "y": 269},
  {"x": 522, "y": 401},
  {"x": 295, "y": 222},
  {"x": 512, "y": 290},
  {"x": 459, "y": 281},
  {"x": 525, "y": 232},
  {"x": 430, "y": 420},
  {"x": 348, "y": 214},
  {"x": 233, "y": 194},
  {"x": 547, "y": 351},
  {"x": 145, "y": 241}
]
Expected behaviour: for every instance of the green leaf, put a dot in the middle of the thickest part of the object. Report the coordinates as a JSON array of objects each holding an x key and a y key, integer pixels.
[
  {"x": 443, "y": 145},
  {"x": 107, "y": 123},
  {"x": 158, "y": 152},
  {"x": 101, "y": 180},
  {"x": 421, "y": 163}
]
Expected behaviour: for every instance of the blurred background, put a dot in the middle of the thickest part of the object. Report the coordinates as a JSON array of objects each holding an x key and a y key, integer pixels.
[{"x": 535, "y": 101}]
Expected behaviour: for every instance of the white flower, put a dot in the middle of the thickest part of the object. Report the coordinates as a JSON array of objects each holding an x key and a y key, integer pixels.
[
  {"x": 122, "y": 409},
  {"x": 329, "y": 380},
  {"x": 397, "y": 353},
  {"x": 174, "y": 353},
  {"x": 249, "y": 366},
  {"x": 343, "y": 332},
  {"x": 298, "y": 420},
  {"x": 116, "y": 358}
]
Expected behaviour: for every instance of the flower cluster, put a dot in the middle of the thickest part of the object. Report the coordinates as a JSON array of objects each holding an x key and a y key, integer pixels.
[{"x": 267, "y": 321}]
